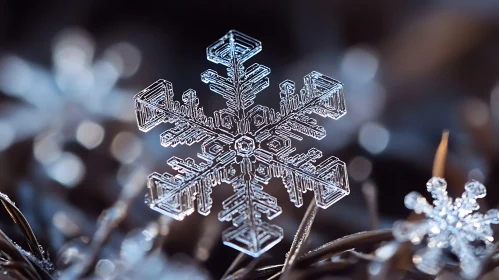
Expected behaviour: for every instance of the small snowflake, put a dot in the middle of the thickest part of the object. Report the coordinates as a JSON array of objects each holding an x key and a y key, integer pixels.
[
  {"x": 449, "y": 225},
  {"x": 244, "y": 145}
]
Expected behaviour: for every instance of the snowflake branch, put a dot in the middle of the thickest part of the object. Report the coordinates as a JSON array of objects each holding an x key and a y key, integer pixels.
[
  {"x": 174, "y": 195},
  {"x": 320, "y": 95},
  {"x": 155, "y": 105},
  {"x": 328, "y": 180},
  {"x": 245, "y": 208}
]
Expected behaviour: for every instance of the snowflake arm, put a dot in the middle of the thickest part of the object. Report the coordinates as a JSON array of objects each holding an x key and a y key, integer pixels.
[
  {"x": 328, "y": 180},
  {"x": 174, "y": 195},
  {"x": 155, "y": 105},
  {"x": 245, "y": 209},
  {"x": 241, "y": 86},
  {"x": 320, "y": 95}
]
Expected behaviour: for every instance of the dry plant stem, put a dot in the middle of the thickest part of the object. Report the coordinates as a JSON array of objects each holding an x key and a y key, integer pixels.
[
  {"x": 18, "y": 261},
  {"x": 300, "y": 238},
  {"x": 441, "y": 156},
  {"x": 21, "y": 221},
  {"x": 315, "y": 272},
  {"x": 438, "y": 166},
  {"x": 277, "y": 275},
  {"x": 338, "y": 268},
  {"x": 16, "y": 269},
  {"x": 266, "y": 271},
  {"x": 243, "y": 274},
  {"x": 361, "y": 256},
  {"x": 345, "y": 243},
  {"x": 237, "y": 261}
]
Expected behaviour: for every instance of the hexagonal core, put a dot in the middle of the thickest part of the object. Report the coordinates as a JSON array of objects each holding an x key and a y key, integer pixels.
[{"x": 244, "y": 146}]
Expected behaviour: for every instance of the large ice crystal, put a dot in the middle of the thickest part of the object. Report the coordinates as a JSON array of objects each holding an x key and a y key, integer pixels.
[
  {"x": 450, "y": 225},
  {"x": 244, "y": 145}
]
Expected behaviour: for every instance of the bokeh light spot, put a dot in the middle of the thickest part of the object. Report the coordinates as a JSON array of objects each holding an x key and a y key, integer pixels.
[
  {"x": 374, "y": 137},
  {"x": 476, "y": 112},
  {"x": 89, "y": 134},
  {"x": 68, "y": 170},
  {"x": 359, "y": 168},
  {"x": 126, "y": 147},
  {"x": 359, "y": 64}
]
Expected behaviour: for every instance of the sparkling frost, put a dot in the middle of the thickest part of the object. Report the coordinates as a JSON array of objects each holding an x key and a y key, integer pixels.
[
  {"x": 449, "y": 225},
  {"x": 244, "y": 145}
]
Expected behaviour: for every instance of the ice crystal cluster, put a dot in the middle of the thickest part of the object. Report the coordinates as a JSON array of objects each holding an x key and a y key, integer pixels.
[
  {"x": 244, "y": 145},
  {"x": 450, "y": 225}
]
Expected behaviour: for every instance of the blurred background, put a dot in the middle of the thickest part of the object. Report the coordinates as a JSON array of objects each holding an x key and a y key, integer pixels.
[{"x": 69, "y": 143}]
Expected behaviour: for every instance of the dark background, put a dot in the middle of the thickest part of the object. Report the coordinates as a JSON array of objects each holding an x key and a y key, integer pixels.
[{"x": 410, "y": 69}]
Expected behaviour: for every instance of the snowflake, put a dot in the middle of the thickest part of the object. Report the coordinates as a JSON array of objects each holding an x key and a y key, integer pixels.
[
  {"x": 66, "y": 103},
  {"x": 244, "y": 145},
  {"x": 450, "y": 225}
]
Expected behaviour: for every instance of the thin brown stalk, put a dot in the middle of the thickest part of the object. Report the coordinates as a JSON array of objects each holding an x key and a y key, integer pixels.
[
  {"x": 23, "y": 224},
  {"x": 355, "y": 240},
  {"x": 438, "y": 166},
  {"x": 237, "y": 261},
  {"x": 441, "y": 156},
  {"x": 244, "y": 273},
  {"x": 300, "y": 238}
]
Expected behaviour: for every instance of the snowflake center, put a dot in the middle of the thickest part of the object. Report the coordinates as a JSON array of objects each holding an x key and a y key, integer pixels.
[
  {"x": 244, "y": 146},
  {"x": 452, "y": 220}
]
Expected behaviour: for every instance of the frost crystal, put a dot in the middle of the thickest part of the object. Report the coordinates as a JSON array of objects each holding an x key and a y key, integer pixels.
[
  {"x": 244, "y": 145},
  {"x": 449, "y": 225}
]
